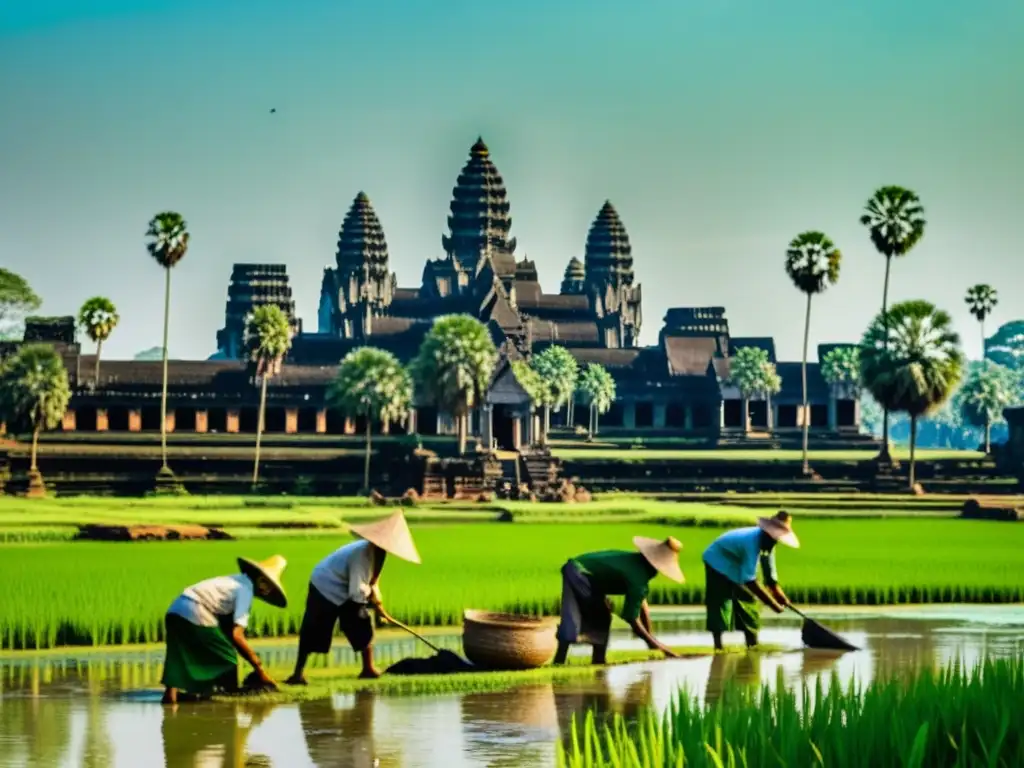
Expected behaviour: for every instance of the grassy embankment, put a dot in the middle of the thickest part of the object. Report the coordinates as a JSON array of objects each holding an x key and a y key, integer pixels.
[
  {"x": 59, "y": 593},
  {"x": 958, "y": 717}
]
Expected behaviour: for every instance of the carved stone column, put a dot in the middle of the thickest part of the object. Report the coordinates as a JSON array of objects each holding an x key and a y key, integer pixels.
[
  {"x": 170, "y": 420},
  {"x": 291, "y": 420},
  {"x": 232, "y": 421},
  {"x": 321, "y": 421},
  {"x": 135, "y": 420},
  {"x": 68, "y": 422},
  {"x": 102, "y": 422},
  {"x": 202, "y": 421}
]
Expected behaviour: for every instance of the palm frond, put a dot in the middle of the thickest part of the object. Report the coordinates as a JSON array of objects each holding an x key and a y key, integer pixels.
[
  {"x": 168, "y": 238},
  {"x": 895, "y": 219},
  {"x": 812, "y": 262}
]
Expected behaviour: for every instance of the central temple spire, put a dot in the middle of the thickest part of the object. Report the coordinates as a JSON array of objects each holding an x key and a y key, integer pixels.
[{"x": 479, "y": 222}]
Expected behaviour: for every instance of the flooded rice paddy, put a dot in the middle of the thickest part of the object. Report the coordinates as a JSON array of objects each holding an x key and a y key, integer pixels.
[{"x": 100, "y": 708}]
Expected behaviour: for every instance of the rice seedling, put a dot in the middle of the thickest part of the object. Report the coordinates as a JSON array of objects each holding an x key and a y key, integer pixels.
[
  {"x": 90, "y": 593},
  {"x": 957, "y": 717}
]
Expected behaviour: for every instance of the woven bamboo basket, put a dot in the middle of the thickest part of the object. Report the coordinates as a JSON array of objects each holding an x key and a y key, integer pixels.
[{"x": 508, "y": 641}]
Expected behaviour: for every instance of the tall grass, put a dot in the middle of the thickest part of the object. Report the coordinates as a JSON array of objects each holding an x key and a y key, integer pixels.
[
  {"x": 89, "y": 593},
  {"x": 957, "y": 717}
]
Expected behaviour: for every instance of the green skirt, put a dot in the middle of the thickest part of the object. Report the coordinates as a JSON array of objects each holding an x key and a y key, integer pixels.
[
  {"x": 199, "y": 659},
  {"x": 730, "y": 607}
]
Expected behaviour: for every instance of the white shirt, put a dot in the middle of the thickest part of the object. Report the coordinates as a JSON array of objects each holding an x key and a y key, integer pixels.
[
  {"x": 735, "y": 555},
  {"x": 202, "y": 603},
  {"x": 345, "y": 574}
]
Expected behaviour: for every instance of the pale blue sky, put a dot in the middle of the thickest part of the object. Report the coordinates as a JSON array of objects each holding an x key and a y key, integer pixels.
[{"x": 718, "y": 128}]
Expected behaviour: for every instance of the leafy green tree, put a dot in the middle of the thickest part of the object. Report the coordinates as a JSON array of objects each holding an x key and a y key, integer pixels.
[
  {"x": 98, "y": 317},
  {"x": 559, "y": 369},
  {"x": 372, "y": 385},
  {"x": 1006, "y": 347},
  {"x": 17, "y": 299},
  {"x": 771, "y": 384},
  {"x": 34, "y": 394},
  {"x": 597, "y": 389},
  {"x": 167, "y": 243},
  {"x": 812, "y": 263},
  {"x": 986, "y": 391},
  {"x": 454, "y": 367},
  {"x": 841, "y": 368},
  {"x": 753, "y": 374},
  {"x": 267, "y": 339},
  {"x": 911, "y": 362},
  {"x": 981, "y": 299},
  {"x": 538, "y": 389},
  {"x": 895, "y": 220}
]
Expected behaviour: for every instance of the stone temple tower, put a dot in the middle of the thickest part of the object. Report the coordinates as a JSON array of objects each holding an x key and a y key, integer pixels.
[
  {"x": 608, "y": 280},
  {"x": 574, "y": 281},
  {"x": 479, "y": 222},
  {"x": 361, "y": 286}
]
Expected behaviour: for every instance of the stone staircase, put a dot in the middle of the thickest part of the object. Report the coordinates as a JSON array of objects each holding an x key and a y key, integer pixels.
[{"x": 540, "y": 470}]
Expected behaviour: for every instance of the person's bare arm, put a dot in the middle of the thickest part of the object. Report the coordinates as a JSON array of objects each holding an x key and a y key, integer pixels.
[
  {"x": 780, "y": 597},
  {"x": 641, "y": 627},
  {"x": 761, "y": 594},
  {"x": 247, "y": 653}
]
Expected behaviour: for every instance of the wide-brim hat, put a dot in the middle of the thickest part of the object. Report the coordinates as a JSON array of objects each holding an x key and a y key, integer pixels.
[
  {"x": 269, "y": 570},
  {"x": 663, "y": 554},
  {"x": 780, "y": 528},
  {"x": 390, "y": 534}
]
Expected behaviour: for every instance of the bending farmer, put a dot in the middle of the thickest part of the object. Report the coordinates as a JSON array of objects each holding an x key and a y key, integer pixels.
[
  {"x": 730, "y": 570},
  {"x": 205, "y": 629},
  {"x": 587, "y": 581},
  {"x": 344, "y": 586}
]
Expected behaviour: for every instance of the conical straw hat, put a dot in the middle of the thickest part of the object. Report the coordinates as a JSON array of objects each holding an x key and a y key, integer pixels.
[
  {"x": 780, "y": 528},
  {"x": 390, "y": 534},
  {"x": 270, "y": 570},
  {"x": 663, "y": 554}
]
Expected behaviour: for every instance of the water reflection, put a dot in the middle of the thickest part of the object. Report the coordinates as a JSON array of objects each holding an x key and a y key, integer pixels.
[
  {"x": 195, "y": 738},
  {"x": 58, "y": 711}
]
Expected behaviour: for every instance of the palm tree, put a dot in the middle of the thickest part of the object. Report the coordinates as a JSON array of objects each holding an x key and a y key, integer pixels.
[
  {"x": 268, "y": 336},
  {"x": 559, "y": 369},
  {"x": 987, "y": 391},
  {"x": 98, "y": 317},
  {"x": 911, "y": 362},
  {"x": 534, "y": 384},
  {"x": 812, "y": 263},
  {"x": 597, "y": 388},
  {"x": 895, "y": 219},
  {"x": 454, "y": 366},
  {"x": 168, "y": 244},
  {"x": 981, "y": 299},
  {"x": 771, "y": 384},
  {"x": 371, "y": 384},
  {"x": 34, "y": 394}
]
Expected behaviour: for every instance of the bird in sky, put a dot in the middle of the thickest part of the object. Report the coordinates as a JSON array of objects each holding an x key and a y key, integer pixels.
[{"x": 273, "y": 110}]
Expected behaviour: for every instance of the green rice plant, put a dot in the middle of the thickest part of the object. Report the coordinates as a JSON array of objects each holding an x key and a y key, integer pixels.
[
  {"x": 92, "y": 593},
  {"x": 959, "y": 717}
]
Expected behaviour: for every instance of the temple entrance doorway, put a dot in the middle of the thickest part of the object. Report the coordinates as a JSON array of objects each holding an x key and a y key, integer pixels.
[{"x": 503, "y": 424}]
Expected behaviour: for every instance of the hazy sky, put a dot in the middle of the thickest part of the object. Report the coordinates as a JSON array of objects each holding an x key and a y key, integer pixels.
[{"x": 718, "y": 128}]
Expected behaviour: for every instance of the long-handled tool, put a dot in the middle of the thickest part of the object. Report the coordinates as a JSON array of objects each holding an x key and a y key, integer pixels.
[
  {"x": 816, "y": 635},
  {"x": 391, "y": 620}
]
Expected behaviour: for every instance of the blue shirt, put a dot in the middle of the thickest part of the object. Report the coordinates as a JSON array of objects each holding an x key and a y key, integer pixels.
[{"x": 735, "y": 555}]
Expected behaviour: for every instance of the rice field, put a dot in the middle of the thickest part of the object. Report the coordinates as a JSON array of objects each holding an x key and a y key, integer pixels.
[
  {"x": 90, "y": 593},
  {"x": 956, "y": 717}
]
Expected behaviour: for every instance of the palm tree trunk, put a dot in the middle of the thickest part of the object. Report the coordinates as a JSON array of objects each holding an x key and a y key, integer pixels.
[
  {"x": 547, "y": 425},
  {"x": 259, "y": 428},
  {"x": 803, "y": 381},
  {"x": 913, "y": 448},
  {"x": 771, "y": 419},
  {"x": 597, "y": 420},
  {"x": 33, "y": 466},
  {"x": 462, "y": 428},
  {"x": 366, "y": 459},
  {"x": 982, "y": 324},
  {"x": 746, "y": 414},
  {"x": 590, "y": 424},
  {"x": 96, "y": 371},
  {"x": 988, "y": 436},
  {"x": 163, "y": 390},
  {"x": 885, "y": 455}
]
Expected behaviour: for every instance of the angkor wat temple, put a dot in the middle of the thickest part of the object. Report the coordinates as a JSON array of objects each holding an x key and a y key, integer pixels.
[{"x": 679, "y": 386}]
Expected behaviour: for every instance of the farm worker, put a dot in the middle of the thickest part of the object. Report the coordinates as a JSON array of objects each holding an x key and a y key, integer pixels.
[
  {"x": 587, "y": 580},
  {"x": 206, "y": 628},
  {"x": 344, "y": 586},
  {"x": 730, "y": 570}
]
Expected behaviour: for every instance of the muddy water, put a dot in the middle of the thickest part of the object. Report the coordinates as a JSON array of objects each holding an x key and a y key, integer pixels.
[{"x": 100, "y": 709}]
